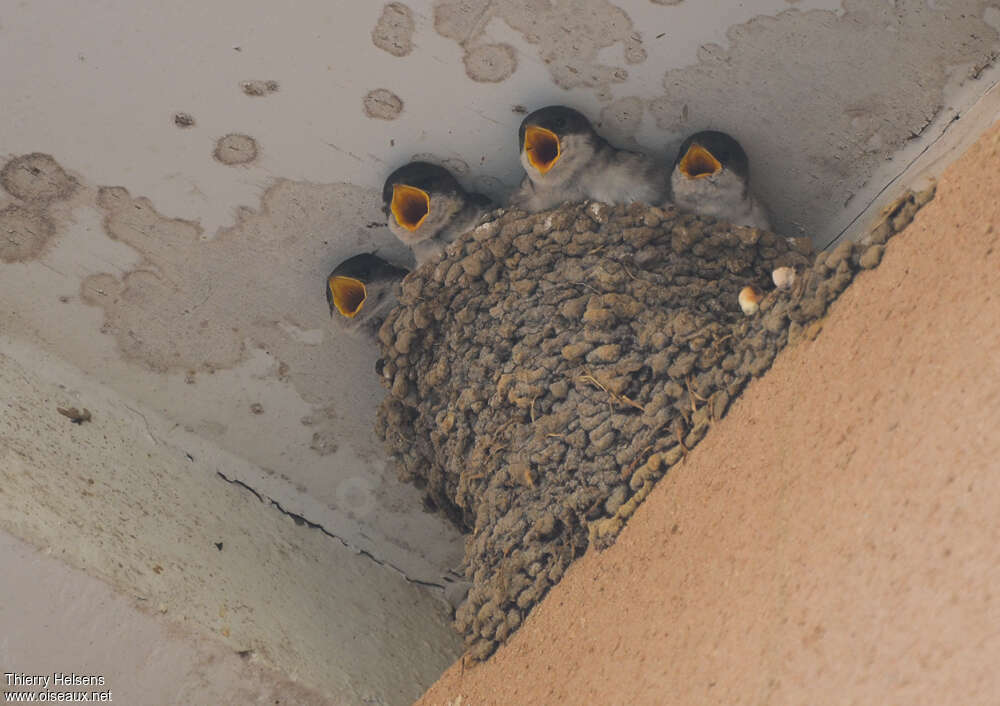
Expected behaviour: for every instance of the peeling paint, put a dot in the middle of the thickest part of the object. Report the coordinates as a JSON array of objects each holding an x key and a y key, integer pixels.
[
  {"x": 393, "y": 33},
  {"x": 569, "y": 38}
]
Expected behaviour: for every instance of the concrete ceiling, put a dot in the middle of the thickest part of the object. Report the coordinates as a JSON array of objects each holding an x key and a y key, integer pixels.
[{"x": 202, "y": 166}]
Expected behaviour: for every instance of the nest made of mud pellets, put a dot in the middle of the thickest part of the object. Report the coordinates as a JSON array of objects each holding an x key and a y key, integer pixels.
[{"x": 550, "y": 367}]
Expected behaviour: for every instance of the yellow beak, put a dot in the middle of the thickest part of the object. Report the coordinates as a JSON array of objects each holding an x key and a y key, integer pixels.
[
  {"x": 542, "y": 148},
  {"x": 699, "y": 163},
  {"x": 410, "y": 205},
  {"x": 349, "y": 295}
]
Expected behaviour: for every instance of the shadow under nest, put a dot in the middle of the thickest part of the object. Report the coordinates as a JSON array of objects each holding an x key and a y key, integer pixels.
[{"x": 550, "y": 367}]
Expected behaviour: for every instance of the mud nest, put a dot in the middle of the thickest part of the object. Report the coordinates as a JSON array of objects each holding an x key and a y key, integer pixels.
[{"x": 551, "y": 367}]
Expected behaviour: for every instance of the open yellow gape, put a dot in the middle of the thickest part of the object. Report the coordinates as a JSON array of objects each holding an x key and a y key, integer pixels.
[
  {"x": 542, "y": 148},
  {"x": 349, "y": 295},
  {"x": 698, "y": 163},
  {"x": 410, "y": 205}
]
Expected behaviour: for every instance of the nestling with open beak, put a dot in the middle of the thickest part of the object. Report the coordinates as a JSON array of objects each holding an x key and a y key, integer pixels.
[
  {"x": 711, "y": 177},
  {"x": 566, "y": 160},
  {"x": 361, "y": 291},
  {"x": 427, "y": 208}
]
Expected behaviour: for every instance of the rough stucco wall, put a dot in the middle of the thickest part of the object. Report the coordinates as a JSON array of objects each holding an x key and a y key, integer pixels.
[
  {"x": 154, "y": 521},
  {"x": 834, "y": 538},
  {"x": 66, "y": 621}
]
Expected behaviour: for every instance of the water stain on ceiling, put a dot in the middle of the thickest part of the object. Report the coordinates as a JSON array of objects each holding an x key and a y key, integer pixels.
[
  {"x": 820, "y": 98},
  {"x": 35, "y": 181},
  {"x": 199, "y": 305},
  {"x": 234, "y": 149},
  {"x": 382, "y": 104},
  {"x": 394, "y": 30},
  {"x": 569, "y": 38}
]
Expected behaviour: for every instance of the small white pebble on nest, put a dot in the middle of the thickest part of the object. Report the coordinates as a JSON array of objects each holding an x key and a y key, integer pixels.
[
  {"x": 784, "y": 277},
  {"x": 485, "y": 230},
  {"x": 750, "y": 298},
  {"x": 599, "y": 211}
]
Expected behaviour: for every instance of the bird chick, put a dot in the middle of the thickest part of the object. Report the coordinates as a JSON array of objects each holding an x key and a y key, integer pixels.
[
  {"x": 711, "y": 177},
  {"x": 361, "y": 291},
  {"x": 566, "y": 160},
  {"x": 427, "y": 208}
]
